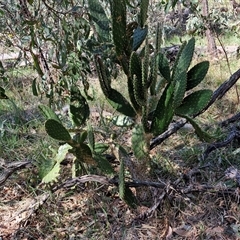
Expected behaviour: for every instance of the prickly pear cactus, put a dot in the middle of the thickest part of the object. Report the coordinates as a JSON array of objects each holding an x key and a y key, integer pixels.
[
  {"x": 173, "y": 101},
  {"x": 57, "y": 131}
]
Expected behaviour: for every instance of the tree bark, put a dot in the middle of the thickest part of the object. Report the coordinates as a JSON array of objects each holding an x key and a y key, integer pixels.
[{"x": 211, "y": 44}]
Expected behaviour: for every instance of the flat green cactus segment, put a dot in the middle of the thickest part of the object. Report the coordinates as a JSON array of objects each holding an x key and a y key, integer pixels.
[
  {"x": 119, "y": 25},
  {"x": 196, "y": 74},
  {"x": 79, "y": 108},
  {"x": 184, "y": 58},
  {"x": 135, "y": 66},
  {"x": 131, "y": 94},
  {"x": 140, "y": 143},
  {"x": 139, "y": 36},
  {"x": 145, "y": 69},
  {"x": 136, "y": 76},
  {"x": 143, "y": 12},
  {"x": 57, "y": 131},
  {"x": 155, "y": 61},
  {"x": 120, "y": 103},
  {"x": 105, "y": 81},
  {"x": 54, "y": 172},
  {"x": 99, "y": 17},
  {"x": 202, "y": 135},
  {"x": 130, "y": 198},
  {"x": 158, "y": 38},
  {"x": 45, "y": 165},
  {"x": 48, "y": 113},
  {"x": 194, "y": 103},
  {"x": 138, "y": 90},
  {"x": 103, "y": 164},
  {"x": 163, "y": 66},
  {"x": 164, "y": 111},
  {"x": 179, "y": 89}
]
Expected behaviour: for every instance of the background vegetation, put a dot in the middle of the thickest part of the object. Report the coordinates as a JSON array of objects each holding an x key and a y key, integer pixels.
[{"x": 92, "y": 95}]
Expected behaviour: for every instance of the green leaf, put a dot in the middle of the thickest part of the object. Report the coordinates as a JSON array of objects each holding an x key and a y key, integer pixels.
[
  {"x": 53, "y": 174},
  {"x": 44, "y": 166},
  {"x": 136, "y": 71},
  {"x": 196, "y": 74},
  {"x": 57, "y": 131},
  {"x": 194, "y": 103},
  {"x": 48, "y": 113}
]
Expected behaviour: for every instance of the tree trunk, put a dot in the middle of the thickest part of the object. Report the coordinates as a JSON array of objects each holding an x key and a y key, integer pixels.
[{"x": 211, "y": 44}]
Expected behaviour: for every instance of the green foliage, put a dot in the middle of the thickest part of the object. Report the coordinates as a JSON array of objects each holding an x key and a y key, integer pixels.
[
  {"x": 145, "y": 72},
  {"x": 87, "y": 35},
  {"x": 48, "y": 113},
  {"x": 119, "y": 26},
  {"x": 57, "y": 131},
  {"x": 90, "y": 154},
  {"x": 196, "y": 74},
  {"x": 100, "y": 19},
  {"x": 51, "y": 169},
  {"x": 194, "y": 103},
  {"x": 143, "y": 12}
]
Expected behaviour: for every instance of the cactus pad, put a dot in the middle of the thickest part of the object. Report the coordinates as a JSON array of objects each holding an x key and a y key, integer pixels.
[
  {"x": 164, "y": 111},
  {"x": 163, "y": 66},
  {"x": 194, "y": 102},
  {"x": 139, "y": 36},
  {"x": 57, "y": 131},
  {"x": 196, "y": 74}
]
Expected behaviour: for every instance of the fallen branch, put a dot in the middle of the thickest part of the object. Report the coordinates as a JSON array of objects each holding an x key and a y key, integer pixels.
[
  {"x": 232, "y": 119},
  {"x": 10, "y": 168},
  {"x": 234, "y": 134},
  {"x": 218, "y": 94}
]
